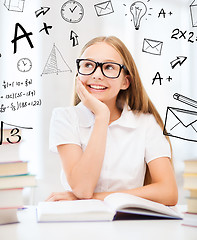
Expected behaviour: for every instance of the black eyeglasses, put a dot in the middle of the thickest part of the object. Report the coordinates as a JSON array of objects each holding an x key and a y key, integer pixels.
[{"x": 108, "y": 69}]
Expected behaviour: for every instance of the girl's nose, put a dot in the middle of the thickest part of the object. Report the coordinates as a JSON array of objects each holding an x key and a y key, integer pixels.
[{"x": 98, "y": 73}]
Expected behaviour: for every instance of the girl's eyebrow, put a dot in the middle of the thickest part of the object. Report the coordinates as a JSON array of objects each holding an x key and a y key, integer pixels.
[{"x": 106, "y": 60}]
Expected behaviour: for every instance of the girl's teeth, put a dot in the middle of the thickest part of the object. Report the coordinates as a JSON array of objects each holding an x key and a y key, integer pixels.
[{"x": 97, "y": 87}]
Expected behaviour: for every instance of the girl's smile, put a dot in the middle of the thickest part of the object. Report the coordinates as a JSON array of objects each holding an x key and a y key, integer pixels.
[{"x": 96, "y": 87}]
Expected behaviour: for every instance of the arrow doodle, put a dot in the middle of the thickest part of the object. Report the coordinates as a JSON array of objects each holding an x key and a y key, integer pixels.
[
  {"x": 42, "y": 10},
  {"x": 73, "y": 37},
  {"x": 179, "y": 60}
]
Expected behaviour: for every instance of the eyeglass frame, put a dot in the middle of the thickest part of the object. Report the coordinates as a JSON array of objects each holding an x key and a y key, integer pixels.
[{"x": 99, "y": 64}]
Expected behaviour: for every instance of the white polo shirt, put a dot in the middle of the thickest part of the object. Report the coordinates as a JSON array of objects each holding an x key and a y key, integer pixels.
[{"x": 132, "y": 141}]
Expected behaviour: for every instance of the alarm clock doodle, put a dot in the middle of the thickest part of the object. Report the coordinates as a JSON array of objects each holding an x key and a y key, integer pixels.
[
  {"x": 24, "y": 65},
  {"x": 72, "y": 11}
]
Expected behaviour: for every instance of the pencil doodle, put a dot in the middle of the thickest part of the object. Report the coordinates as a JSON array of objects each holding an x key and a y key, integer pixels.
[
  {"x": 152, "y": 46},
  {"x": 72, "y": 11},
  {"x": 185, "y": 100},
  {"x": 193, "y": 12},
  {"x": 55, "y": 63},
  {"x": 104, "y": 8},
  {"x": 181, "y": 123},
  {"x": 14, "y": 5},
  {"x": 42, "y": 10},
  {"x": 46, "y": 28},
  {"x": 74, "y": 38},
  {"x": 179, "y": 60}
]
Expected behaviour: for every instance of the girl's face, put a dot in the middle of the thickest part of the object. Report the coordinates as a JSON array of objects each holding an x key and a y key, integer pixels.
[{"x": 103, "y": 88}]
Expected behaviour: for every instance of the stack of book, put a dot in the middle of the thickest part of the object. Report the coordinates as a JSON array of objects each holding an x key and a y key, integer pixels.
[
  {"x": 190, "y": 183},
  {"x": 14, "y": 176}
]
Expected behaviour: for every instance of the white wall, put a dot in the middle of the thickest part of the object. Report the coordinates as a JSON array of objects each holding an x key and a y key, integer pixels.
[{"x": 56, "y": 89}]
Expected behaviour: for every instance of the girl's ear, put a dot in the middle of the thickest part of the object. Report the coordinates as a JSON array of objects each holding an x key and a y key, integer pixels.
[{"x": 126, "y": 82}]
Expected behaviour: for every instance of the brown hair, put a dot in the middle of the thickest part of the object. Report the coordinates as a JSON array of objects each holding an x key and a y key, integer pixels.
[{"x": 135, "y": 95}]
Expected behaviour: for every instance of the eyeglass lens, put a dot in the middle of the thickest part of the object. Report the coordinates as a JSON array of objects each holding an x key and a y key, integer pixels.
[{"x": 87, "y": 67}]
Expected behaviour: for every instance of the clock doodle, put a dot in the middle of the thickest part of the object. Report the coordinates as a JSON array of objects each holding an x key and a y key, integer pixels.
[
  {"x": 72, "y": 11},
  {"x": 24, "y": 65}
]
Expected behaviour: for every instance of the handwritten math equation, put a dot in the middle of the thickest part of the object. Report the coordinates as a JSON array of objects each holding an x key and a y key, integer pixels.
[
  {"x": 14, "y": 135},
  {"x": 18, "y": 96}
]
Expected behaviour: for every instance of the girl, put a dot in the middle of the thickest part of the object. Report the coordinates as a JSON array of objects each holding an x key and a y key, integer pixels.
[{"x": 109, "y": 140}]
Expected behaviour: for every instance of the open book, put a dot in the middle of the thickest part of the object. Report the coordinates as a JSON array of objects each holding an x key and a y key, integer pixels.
[{"x": 113, "y": 207}]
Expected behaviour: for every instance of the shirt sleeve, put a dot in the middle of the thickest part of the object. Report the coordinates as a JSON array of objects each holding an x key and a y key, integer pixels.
[
  {"x": 156, "y": 143},
  {"x": 63, "y": 128}
]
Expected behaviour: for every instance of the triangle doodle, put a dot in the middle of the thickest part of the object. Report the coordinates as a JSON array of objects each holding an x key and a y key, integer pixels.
[{"x": 55, "y": 63}]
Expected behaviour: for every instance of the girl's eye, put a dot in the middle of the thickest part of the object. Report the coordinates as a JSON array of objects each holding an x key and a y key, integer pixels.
[
  {"x": 109, "y": 67},
  {"x": 88, "y": 65}
]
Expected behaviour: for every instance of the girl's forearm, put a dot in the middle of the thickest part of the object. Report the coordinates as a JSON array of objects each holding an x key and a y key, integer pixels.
[
  {"x": 86, "y": 172},
  {"x": 158, "y": 192}
]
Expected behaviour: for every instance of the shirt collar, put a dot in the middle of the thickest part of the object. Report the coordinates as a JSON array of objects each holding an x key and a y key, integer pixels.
[{"x": 87, "y": 119}]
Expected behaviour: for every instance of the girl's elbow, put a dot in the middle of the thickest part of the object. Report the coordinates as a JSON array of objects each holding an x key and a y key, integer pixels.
[
  {"x": 83, "y": 193},
  {"x": 172, "y": 198}
]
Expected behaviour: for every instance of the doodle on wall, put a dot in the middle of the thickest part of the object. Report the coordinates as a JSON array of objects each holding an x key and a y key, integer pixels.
[
  {"x": 179, "y": 60},
  {"x": 15, "y": 133},
  {"x": 24, "y": 65},
  {"x": 42, "y": 10},
  {"x": 185, "y": 100},
  {"x": 152, "y": 46},
  {"x": 159, "y": 78},
  {"x": 24, "y": 35},
  {"x": 72, "y": 11},
  {"x": 193, "y": 12},
  {"x": 181, "y": 123},
  {"x": 138, "y": 11},
  {"x": 163, "y": 13},
  {"x": 104, "y": 8},
  {"x": 183, "y": 34},
  {"x": 46, "y": 28},
  {"x": 74, "y": 38},
  {"x": 15, "y": 5},
  {"x": 15, "y": 93},
  {"x": 55, "y": 63}
]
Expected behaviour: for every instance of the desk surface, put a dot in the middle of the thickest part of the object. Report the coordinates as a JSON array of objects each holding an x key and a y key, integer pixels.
[{"x": 29, "y": 229}]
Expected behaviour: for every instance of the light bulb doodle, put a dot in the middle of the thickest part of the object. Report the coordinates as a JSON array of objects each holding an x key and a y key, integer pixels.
[{"x": 138, "y": 10}]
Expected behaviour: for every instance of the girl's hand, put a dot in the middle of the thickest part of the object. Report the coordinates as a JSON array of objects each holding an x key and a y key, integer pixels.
[
  {"x": 61, "y": 196},
  {"x": 91, "y": 102}
]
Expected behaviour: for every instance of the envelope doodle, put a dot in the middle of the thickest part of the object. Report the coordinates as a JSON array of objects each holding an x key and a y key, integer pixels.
[
  {"x": 104, "y": 8},
  {"x": 193, "y": 11},
  {"x": 152, "y": 46},
  {"x": 181, "y": 123}
]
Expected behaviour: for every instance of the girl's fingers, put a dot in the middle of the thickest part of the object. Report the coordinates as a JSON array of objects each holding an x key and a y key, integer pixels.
[
  {"x": 81, "y": 91},
  {"x": 59, "y": 196}
]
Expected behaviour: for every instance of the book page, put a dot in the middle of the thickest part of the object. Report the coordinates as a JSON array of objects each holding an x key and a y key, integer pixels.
[{"x": 121, "y": 201}]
